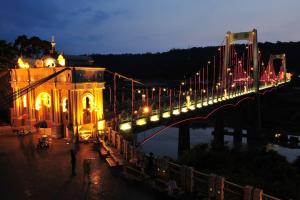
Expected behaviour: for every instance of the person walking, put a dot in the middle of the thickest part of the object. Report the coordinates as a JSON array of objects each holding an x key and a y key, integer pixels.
[{"x": 73, "y": 149}]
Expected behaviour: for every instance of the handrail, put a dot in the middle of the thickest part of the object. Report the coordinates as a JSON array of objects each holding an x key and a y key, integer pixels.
[{"x": 269, "y": 197}]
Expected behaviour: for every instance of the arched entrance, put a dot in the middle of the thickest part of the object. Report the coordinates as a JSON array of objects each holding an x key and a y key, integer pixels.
[
  {"x": 43, "y": 106},
  {"x": 88, "y": 108}
]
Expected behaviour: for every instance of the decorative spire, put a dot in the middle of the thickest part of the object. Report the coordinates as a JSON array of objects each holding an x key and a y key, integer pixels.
[{"x": 52, "y": 45}]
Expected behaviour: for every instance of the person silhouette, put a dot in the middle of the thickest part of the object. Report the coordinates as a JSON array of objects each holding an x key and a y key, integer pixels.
[{"x": 73, "y": 149}]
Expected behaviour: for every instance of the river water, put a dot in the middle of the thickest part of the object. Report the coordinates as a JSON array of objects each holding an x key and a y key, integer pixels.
[{"x": 165, "y": 144}]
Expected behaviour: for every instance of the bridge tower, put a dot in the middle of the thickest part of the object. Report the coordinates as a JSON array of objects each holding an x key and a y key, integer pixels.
[
  {"x": 282, "y": 57},
  {"x": 250, "y": 36}
]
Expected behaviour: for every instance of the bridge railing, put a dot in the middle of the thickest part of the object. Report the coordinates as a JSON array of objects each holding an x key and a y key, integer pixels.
[
  {"x": 201, "y": 182},
  {"x": 233, "y": 191},
  {"x": 188, "y": 179},
  {"x": 174, "y": 172},
  {"x": 268, "y": 197}
]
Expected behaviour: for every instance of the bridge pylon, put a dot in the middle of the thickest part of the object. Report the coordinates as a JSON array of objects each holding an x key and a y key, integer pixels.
[
  {"x": 282, "y": 57},
  {"x": 250, "y": 36}
]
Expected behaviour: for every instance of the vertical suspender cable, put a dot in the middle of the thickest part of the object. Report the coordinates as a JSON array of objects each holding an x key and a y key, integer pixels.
[
  {"x": 213, "y": 84},
  {"x": 115, "y": 95},
  {"x": 132, "y": 97},
  {"x": 159, "y": 96},
  {"x": 170, "y": 109},
  {"x": 195, "y": 90}
]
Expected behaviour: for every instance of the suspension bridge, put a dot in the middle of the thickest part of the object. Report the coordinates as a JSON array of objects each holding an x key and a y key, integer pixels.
[{"x": 228, "y": 79}]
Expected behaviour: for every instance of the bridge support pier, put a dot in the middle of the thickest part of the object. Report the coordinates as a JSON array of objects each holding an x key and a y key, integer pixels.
[
  {"x": 218, "y": 141},
  {"x": 237, "y": 133},
  {"x": 183, "y": 139},
  {"x": 254, "y": 119}
]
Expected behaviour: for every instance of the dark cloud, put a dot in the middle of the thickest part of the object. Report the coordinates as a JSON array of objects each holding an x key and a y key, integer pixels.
[
  {"x": 119, "y": 26},
  {"x": 28, "y": 14},
  {"x": 80, "y": 11},
  {"x": 96, "y": 17}
]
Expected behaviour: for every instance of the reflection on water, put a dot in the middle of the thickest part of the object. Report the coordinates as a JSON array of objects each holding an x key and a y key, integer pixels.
[
  {"x": 165, "y": 144},
  {"x": 290, "y": 154}
]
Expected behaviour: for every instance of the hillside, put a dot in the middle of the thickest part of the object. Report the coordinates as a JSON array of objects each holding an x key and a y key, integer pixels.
[{"x": 177, "y": 63}]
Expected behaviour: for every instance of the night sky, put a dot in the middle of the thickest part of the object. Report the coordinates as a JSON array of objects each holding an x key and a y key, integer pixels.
[{"x": 138, "y": 26}]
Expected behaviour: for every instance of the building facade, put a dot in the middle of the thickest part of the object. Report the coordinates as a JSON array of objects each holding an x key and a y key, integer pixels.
[{"x": 59, "y": 92}]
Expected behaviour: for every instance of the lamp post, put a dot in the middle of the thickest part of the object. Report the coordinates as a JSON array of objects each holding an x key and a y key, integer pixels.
[{"x": 207, "y": 82}]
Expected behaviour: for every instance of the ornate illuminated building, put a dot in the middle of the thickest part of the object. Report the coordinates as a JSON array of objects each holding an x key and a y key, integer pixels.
[{"x": 59, "y": 90}]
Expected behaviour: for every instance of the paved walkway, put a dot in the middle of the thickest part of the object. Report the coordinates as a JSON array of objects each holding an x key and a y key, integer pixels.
[{"x": 28, "y": 173}]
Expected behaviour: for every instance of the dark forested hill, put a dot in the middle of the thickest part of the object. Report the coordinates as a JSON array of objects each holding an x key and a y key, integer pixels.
[{"x": 177, "y": 63}]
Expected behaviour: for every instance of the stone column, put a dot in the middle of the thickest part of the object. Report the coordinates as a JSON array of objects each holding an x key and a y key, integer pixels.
[
  {"x": 31, "y": 110},
  {"x": 79, "y": 107},
  {"x": 57, "y": 128}
]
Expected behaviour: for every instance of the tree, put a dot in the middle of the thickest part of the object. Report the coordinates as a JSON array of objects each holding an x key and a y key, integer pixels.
[
  {"x": 32, "y": 47},
  {"x": 8, "y": 55}
]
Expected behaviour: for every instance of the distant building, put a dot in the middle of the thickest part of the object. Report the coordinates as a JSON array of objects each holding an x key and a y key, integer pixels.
[{"x": 73, "y": 96}]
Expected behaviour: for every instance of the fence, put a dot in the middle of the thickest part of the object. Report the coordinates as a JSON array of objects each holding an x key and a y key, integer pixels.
[{"x": 189, "y": 180}]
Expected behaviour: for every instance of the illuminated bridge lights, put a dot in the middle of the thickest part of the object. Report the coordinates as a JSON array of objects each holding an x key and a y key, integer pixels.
[
  {"x": 141, "y": 122},
  {"x": 125, "y": 126},
  {"x": 199, "y": 105},
  {"x": 154, "y": 118},
  {"x": 166, "y": 115},
  {"x": 184, "y": 109},
  {"x": 210, "y": 102},
  {"x": 192, "y": 107},
  {"x": 176, "y": 112},
  {"x": 205, "y": 103}
]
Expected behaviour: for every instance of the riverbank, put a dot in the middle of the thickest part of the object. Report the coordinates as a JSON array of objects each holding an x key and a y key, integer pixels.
[{"x": 262, "y": 168}]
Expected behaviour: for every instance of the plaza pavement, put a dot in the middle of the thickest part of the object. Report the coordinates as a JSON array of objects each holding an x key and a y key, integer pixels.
[{"x": 29, "y": 173}]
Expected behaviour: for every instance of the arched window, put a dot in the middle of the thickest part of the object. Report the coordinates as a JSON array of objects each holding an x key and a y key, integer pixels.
[
  {"x": 42, "y": 105},
  {"x": 87, "y": 101}
]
